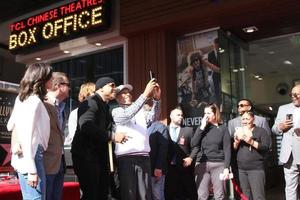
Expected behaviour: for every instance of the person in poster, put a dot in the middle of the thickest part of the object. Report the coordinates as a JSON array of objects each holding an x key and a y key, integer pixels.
[{"x": 196, "y": 84}]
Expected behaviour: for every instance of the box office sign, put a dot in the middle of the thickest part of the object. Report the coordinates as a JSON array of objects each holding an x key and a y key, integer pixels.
[
  {"x": 62, "y": 23},
  {"x": 7, "y": 100}
]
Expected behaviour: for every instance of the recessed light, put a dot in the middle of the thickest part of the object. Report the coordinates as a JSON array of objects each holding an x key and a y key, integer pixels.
[
  {"x": 66, "y": 52},
  {"x": 287, "y": 62},
  {"x": 256, "y": 76},
  {"x": 98, "y": 44},
  {"x": 250, "y": 29},
  {"x": 221, "y": 50},
  {"x": 270, "y": 108},
  {"x": 235, "y": 70},
  {"x": 242, "y": 69},
  {"x": 260, "y": 79},
  {"x": 271, "y": 52},
  {"x": 38, "y": 58}
]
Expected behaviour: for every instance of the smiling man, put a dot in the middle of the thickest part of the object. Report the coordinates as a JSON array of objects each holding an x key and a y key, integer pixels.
[
  {"x": 90, "y": 143},
  {"x": 289, "y": 127},
  {"x": 245, "y": 105},
  {"x": 133, "y": 156}
]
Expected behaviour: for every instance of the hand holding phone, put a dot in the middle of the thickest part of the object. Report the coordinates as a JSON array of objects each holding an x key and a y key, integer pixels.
[
  {"x": 289, "y": 117},
  {"x": 151, "y": 75}
]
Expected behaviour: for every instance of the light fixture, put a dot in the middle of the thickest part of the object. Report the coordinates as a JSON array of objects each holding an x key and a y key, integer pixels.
[
  {"x": 242, "y": 69},
  {"x": 250, "y": 29},
  {"x": 235, "y": 70},
  {"x": 271, "y": 52},
  {"x": 260, "y": 79},
  {"x": 98, "y": 44},
  {"x": 66, "y": 51},
  {"x": 287, "y": 62},
  {"x": 256, "y": 76},
  {"x": 221, "y": 50},
  {"x": 270, "y": 108},
  {"x": 38, "y": 58}
]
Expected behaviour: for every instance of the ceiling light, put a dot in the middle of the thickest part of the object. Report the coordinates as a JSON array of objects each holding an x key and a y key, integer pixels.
[
  {"x": 260, "y": 79},
  {"x": 270, "y": 108},
  {"x": 242, "y": 69},
  {"x": 287, "y": 62},
  {"x": 250, "y": 29},
  {"x": 235, "y": 70},
  {"x": 256, "y": 76},
  {"x": 221, "y": 50},
  {"x": 271, "y": 52},
  {"x": 66, "y": 51},
  {"x": 38, "y": 58},
  {"x": 98, "y": 44}
]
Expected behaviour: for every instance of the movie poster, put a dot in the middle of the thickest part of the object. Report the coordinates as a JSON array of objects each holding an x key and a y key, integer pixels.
[
  {"x": 198, "y": 74},
  {"x": 7, "y": 100}
]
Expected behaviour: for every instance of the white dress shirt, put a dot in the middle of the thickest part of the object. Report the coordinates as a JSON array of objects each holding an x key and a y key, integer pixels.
[{"x": 31, "y": 122}]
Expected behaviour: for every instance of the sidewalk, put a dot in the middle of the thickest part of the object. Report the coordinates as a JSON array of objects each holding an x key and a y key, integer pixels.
[{"x": 276, "y": 193}]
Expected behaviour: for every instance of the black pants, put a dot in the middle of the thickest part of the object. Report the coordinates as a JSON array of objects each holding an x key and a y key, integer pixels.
[
  {"x": 180, "y": 183},
  {"x": 135, "y": 177},
  {"x": 93, "y": 178}
]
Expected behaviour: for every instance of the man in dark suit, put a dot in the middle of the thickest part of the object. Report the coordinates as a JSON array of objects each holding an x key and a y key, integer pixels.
[
  {"x": 159, "y": 142},
  {"x": 180, "y": 182},
  {"x": 53, "y": 156},
  {"x": 90, "y": 143}
]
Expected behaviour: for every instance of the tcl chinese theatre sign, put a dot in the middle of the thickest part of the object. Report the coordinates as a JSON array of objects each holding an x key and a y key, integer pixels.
[{"x": 63, "y": 23}]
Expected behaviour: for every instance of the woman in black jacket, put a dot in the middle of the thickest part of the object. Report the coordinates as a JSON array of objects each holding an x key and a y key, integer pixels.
[
  {"x": 251, "y": 143},
  {"x": 214, "y": 149}
]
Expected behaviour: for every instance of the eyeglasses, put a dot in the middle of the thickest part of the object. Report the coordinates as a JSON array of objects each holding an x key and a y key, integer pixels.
[
  {"x": 243, "y": 105},
  {"x": 295, "y": 95},
  {"x": 64, "y": 83}
]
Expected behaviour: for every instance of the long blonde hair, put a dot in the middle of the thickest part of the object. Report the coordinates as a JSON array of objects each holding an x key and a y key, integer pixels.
[{"x": 86, "y": 90}]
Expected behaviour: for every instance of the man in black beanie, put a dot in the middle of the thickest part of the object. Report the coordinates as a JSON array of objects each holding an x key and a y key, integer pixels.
[{"x": 90, "y": 143}]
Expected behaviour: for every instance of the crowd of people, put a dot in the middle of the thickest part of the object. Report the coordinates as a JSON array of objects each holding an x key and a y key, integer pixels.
[{"x": 153, "y": 161}]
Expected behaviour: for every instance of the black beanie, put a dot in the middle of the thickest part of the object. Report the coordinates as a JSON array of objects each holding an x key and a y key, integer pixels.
[{"x": 101, "y": 82}]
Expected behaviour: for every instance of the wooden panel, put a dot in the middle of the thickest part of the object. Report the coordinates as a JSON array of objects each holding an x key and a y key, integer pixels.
[
  {"x": 193, "y": 15},
  {"x": 153, "y": 51}
]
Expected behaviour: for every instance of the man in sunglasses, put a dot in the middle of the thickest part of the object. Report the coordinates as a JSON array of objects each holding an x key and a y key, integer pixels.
[
  {"x": 287, "y": 124},
  {"x": 243, "y": 106}
]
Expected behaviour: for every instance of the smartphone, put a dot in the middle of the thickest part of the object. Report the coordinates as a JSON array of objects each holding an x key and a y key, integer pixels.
[
  {"x": 151, "y": 74},
  {"x": 289, "y": 117}
]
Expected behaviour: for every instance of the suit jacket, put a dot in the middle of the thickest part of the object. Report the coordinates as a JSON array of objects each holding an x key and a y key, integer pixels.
[
  {"x": 159, "y": 141},
  {"x": 258, "y": 121},
  {"x": 182, "y": 148},
  {"x": 290, "y": 141},
  {"x": 53, "y": 154},
  {"x": 94, "y": 126}
]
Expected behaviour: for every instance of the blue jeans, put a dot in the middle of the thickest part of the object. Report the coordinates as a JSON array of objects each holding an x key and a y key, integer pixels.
[
  {"x": 158, "y": 187},
  {"x": 55, "y": 184},
  {"x": 38, "y": 193}
]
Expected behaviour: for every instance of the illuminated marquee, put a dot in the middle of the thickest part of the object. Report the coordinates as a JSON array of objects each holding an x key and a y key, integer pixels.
[{"x": 63, "y": 23}]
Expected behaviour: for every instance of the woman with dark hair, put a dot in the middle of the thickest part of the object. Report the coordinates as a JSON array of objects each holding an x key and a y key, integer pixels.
[
  {"x": 30, "y": 124},
  {"x": 251, "y": 143},
  {"x": 213, "y": 158}
]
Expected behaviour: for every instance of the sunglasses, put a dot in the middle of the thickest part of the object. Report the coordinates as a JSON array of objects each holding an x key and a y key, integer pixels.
[
  {"x": 64, "y": 83},
  {"x": 243, "y": 105},
  {"x": 295, "y": 95}
]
